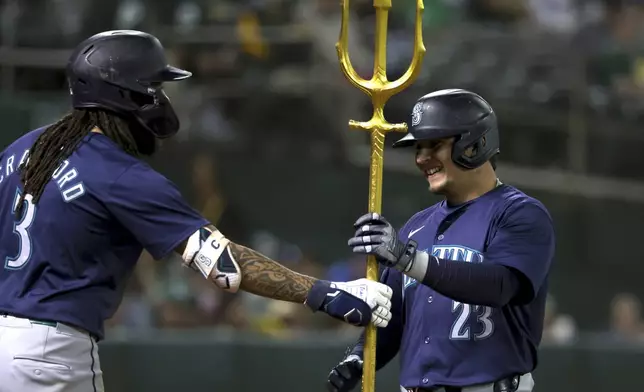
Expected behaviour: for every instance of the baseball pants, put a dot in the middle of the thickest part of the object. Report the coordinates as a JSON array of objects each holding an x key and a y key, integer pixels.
[
  {"x": 47, "y": 357},
  {"x": 526, "y": 384}
]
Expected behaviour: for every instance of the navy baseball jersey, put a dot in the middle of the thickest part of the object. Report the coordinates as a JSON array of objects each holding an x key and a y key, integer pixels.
[
  {"x": 446, "y": 342},
  {"x": 68, "y": 257}
]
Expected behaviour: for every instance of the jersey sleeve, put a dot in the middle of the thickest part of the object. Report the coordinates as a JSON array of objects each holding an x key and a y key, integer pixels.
[
  {"x": 525, "y": 241},
  {"x": 151, "y": 207}
]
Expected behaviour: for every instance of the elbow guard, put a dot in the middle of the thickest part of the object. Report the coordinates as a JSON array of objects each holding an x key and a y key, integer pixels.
[{"x": 208, "y": 252}]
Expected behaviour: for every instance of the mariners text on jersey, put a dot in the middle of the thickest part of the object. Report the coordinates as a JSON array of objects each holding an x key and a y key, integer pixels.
[{"x": 449, "y": 252}]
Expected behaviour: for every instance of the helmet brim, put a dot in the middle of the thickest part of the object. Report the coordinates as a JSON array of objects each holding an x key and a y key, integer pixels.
[
  {"x": 429, "y": 133},
  {"x": 406, "y": 141},
  {"x": 168, "y": 74},
  {"x": 171, "y": 74}
]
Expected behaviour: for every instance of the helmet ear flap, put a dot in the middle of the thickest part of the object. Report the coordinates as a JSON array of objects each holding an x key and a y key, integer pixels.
[
  {"x": 472, "y": 154},
  {"x": 473, "y": 149},
  {"x": 469, "y": 154}
]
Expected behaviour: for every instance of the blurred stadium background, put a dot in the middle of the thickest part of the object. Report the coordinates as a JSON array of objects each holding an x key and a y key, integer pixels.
[{"x": 265, "y": 142}]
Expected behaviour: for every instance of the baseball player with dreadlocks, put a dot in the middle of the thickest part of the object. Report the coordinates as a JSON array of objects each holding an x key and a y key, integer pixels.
[
  {"x": 78, "y": 206},
  {"x": 469, "y": 273}
]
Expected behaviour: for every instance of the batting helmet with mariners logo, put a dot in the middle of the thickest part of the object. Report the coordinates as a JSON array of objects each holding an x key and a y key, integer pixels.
[
  {"x": 122, "y": 71},
  {"x": 456, "y": 113}
]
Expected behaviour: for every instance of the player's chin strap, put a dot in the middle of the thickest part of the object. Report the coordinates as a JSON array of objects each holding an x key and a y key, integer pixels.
[{"x": 208, "y": 252}]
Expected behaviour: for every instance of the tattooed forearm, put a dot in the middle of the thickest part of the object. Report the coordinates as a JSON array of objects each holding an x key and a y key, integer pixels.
[{"x": 265, "y": 277}]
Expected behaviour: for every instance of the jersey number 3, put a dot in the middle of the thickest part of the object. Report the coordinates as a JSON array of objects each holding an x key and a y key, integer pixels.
[
  {"x": 460, "y": 331},
  {"x": 21, "y": 228}
]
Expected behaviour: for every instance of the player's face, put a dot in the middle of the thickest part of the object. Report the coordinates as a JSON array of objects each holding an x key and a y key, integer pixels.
[{"x": 434, "y": 159}]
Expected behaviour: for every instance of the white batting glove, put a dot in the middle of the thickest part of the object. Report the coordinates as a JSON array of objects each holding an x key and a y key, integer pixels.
[{"x": 377, "y": 295}]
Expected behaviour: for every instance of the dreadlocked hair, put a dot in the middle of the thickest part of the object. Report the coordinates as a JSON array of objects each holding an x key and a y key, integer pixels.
[{"x": 60, "y": 140}]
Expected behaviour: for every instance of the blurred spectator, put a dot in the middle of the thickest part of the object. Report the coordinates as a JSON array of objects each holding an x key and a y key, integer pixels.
[
  {"x": 209, "y": 196},
  {"x": 558, "y": 328},
  {"x": 130, "y": 15},
  {"x": 250, "y": 35},
  {"x": 615, "y": 64},
  {"x": 209, "y": 199},
  {"x": 626, "y": 318},
  {"x": 556, "y": 16}
]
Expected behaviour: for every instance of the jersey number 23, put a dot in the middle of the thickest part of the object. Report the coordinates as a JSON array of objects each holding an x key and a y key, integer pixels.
[{"x": 460, "y": 329}]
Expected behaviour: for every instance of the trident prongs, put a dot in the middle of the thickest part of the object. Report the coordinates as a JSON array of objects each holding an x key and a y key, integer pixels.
[
  {"x": 342, "y": 48},
  {"x": 379, "y": 88}
]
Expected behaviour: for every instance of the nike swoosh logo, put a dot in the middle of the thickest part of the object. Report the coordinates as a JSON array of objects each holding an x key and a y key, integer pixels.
[{"x": 415, "y": 231}]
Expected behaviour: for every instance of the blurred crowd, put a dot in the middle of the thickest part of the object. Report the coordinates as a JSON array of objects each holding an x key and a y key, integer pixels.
[
  {"x": 546, "y": 65},
  {"x": 553, "y": 52},
  {"x": 276, "y": 59}
]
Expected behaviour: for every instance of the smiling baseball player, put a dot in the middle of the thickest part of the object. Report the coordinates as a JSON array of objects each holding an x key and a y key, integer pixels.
[{"x": 469, "y": 273}]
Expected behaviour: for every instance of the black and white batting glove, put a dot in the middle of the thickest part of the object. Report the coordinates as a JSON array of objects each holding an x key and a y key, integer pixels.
[
  {"x": 358, "y": 302},
  {"x": 376, "y": 236},
  {"x": 346, "y": 375}
]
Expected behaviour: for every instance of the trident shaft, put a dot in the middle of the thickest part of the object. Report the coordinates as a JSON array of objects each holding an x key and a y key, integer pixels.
[{"x": 379, "y": 89}]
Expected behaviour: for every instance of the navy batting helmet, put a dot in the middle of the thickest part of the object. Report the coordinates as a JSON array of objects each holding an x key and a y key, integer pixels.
[
  {"x": 122, "y": 71},
  {"x": 456, "y": 113}
]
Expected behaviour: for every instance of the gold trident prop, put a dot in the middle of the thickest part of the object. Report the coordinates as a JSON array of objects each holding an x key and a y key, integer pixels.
[{"x": 379, "y": 89}]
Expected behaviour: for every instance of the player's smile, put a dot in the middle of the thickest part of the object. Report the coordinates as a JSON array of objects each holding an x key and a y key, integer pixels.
[
  {"x": 433, "y": 172},
  {"x": 430, "y": 156}
]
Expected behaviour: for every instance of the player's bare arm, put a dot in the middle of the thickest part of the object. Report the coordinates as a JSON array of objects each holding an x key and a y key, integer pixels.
[
  {"x": 231, "y": 267},
  {"x": 265, "y": 277}
]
